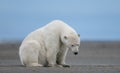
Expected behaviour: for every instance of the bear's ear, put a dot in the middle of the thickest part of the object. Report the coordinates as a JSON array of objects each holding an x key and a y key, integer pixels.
[
  {"x": 65, "y": 37},
  {"x": 78, "y": 35}
]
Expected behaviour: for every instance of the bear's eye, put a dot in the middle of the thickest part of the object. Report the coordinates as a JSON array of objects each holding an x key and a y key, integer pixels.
[{"x": 72, "y": 45}]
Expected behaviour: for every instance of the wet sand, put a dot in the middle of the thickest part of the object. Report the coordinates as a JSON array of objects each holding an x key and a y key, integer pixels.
[{"x": 94, "y": 57}]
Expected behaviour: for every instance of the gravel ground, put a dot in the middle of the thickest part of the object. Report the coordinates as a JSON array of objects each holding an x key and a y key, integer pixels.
[
  {"x": 94, "y": 57},
  {"x": 72, "y": 69}
]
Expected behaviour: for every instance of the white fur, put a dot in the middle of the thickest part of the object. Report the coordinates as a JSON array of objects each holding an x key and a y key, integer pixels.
[{"x": 47, "y": 46}]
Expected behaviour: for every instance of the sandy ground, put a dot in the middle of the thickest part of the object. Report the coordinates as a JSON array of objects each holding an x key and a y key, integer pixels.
[{"x": 94, "y": 57}]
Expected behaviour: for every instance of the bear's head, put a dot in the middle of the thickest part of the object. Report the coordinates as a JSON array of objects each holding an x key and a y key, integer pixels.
[{"x": 72, "y": 42}]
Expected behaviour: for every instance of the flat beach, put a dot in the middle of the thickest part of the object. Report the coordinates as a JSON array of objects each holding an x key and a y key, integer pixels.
[{"x": 93, "y": 57}]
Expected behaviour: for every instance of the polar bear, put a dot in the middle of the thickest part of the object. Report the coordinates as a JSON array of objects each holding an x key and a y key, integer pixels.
[{"x": 48, "y": 46}]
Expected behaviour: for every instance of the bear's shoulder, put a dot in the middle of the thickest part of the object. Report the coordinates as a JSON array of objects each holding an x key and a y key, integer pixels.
[{"x": 57, "y": 23}]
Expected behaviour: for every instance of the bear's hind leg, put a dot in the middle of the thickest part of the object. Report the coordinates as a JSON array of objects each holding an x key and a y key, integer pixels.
[
  {"x": 29, "y": 54},
  {"x": 31, "y": 58},
  {"x": 33, "y": 64}
]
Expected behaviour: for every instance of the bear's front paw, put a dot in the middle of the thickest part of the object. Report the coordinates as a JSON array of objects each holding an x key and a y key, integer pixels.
[{"x": 64, "y": 65}]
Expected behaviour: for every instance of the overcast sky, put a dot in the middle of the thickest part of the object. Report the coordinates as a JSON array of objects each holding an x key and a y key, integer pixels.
[{"x": 93, "y": 19}]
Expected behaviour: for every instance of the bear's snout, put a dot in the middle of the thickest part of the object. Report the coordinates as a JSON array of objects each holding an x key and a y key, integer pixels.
[{"x": 75, "y": 53}]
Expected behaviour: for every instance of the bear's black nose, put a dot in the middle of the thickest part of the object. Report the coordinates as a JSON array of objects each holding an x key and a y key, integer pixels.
[{"x": 75, "y": 53}]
